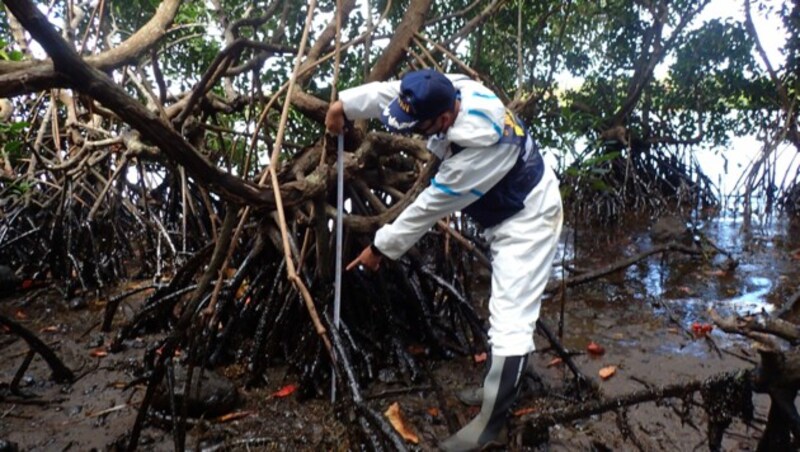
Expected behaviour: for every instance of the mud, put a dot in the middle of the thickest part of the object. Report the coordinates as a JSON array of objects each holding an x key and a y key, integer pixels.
[{"x": 642, "y": 317}]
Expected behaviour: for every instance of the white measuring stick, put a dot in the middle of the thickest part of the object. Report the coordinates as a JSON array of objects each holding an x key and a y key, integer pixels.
[{"x": 337, "y": 285}]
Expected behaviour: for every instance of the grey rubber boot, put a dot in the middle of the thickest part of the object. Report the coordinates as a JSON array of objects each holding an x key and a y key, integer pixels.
[
  {"x": 473, "y": 396},
  {"x": 500, "y": 390}
]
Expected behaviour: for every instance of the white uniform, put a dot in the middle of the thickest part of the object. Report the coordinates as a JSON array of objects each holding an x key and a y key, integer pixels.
[{"x": 522, "y": 245}]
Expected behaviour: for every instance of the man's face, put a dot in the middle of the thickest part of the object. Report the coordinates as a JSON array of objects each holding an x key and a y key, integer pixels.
[{"x": 431, "y": 127}]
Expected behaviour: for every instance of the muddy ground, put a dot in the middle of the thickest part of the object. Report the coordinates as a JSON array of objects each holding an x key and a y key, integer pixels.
[{"x": 641, "y": 316}]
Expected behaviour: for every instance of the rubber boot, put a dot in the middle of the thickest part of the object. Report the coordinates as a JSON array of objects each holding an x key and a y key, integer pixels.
[
  {"x": 473, "y": 396},
  {"x": 500, "y": 390}
]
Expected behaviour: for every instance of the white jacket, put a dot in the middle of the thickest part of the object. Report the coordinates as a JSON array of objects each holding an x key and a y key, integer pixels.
[{"x": 462, "y": 178}]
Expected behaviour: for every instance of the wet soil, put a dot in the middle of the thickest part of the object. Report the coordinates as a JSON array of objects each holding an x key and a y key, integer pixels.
[{"x": 641, "y": 316}]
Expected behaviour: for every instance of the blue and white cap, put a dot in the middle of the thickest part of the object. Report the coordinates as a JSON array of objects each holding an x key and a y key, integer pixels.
[{"x": 424, "y": 94}]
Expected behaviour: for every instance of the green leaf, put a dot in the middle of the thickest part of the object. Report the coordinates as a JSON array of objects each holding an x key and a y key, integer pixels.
[
  {"x": 12, "y": 147},
  {"x": 18, "y": 126}
]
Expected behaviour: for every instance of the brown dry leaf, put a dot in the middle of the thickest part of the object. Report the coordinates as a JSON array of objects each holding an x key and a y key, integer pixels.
[
  {"x": 595, "y": 349},
  {"x": 20, "y": 315},
  {"x": 607, "y": 372},
  {"x": 674, "y": 330},
  {"x": 716, "y": 272},
  {"x": 480, "y": 357},
  {"x": 50, "y": 329},
  {"x": 286, "y": 390},
  {"x": 618, "y": 336},
  {"x": 555, "y": 362},
  {"x": 524, "y": 411},
  {"x": 396, "y": 419},
  {"x": 233, "y": 416},
  {"x": 242, "y": 289},
  {"x": 433, "y": 411},
  {"x": 98, "y": 353}
]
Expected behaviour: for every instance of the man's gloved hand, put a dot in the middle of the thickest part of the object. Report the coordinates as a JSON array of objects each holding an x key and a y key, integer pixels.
[{"x": 369, "y": 258}]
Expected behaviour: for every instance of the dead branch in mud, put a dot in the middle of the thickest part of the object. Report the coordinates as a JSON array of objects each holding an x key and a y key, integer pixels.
[
  {"x": 541, "y": 421},
  {"x": 61, "y": 373},
  {"x": 778, "y": 375},
  {"x": 554, "y": 285}
]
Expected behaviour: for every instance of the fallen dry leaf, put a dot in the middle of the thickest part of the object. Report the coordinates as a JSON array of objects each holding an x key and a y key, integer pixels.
[
  {"x": 285, "y": 391},
  {"x": 555, "y": 362},
  {"x": 416, "y": 349},
  {"x": 607, "y": 372},
  {"x": 233, "y": 416},
  {"x": 433, "y": 411},
  {"x": 685, "y": 290},
  {"x": 524, "y": 411},
  {"x": 20, "y": 315},
  {"x": 618, "y": 336},
  {"x": 701, "y": 329},
  {"x": 718, "y": 272},
  {"x": 98, "y": 353},
  {"x": 480, "y": 357},
  {"x": 674, "y": 330},
  {"x": 50, "y": 329},
  {"x": 396, "y": 419},
  {"x": 242, "y": 289},
  {"x": 595, "y": 349}
]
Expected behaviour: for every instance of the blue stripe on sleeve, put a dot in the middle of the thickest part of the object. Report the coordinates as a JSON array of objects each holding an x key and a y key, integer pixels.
[
  {"x": 444, "y": 188},
  {"x": 485, "y": 96},
  {"x": 483, "y": 115},
  {"x": 477, "y": 193}
]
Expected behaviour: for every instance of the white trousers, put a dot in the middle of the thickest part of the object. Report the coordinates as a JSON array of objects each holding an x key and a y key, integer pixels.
[{"x": 522, "y": 250}]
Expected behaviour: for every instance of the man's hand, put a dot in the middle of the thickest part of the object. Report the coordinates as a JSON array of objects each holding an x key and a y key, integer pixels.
[
  {"x": 335, "y": 119},
  {"x": 368, "y": 258}
]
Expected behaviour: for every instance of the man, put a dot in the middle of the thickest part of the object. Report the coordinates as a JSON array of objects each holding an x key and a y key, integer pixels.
[{"x": 492, "y": 170}]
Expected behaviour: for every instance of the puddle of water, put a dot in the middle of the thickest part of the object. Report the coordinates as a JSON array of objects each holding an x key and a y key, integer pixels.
[{"x": 680, "y": 288}]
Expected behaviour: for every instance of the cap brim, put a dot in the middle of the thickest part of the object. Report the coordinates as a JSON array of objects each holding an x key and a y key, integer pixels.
[{"x": 397, "y": 120}]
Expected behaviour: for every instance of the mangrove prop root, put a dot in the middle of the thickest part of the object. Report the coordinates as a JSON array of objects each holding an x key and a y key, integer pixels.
[{"x": 61, "y": 373}]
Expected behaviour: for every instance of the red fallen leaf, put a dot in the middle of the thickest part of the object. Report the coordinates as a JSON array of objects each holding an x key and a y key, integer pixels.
[
  {"x": 524, "y": 411},
  {"x": 26, "y": 284},
  {"x": 595, "y": 349},
  {"x": 20, "y": 315},
  {"x": 479, "y": 357},
  {"x": 285, "y": 391},
  {"x": 233, "y": 416},
  {"x": 701, "y": 329},
  {"x": 49, "y": 329},
  {"x": 555, "y": 362},
  {"x": 98, "y": 353},
  {"x": 396, "y": 419},
  {"x": 607, "y": 372},
  {"x": 416, "y": 349},
  {"x": 433, "y": 411}
]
